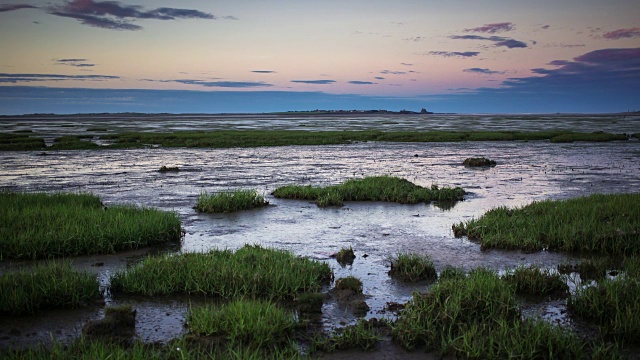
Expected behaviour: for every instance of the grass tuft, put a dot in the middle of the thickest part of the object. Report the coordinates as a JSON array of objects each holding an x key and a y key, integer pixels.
[
  {"x": 607, "y": 224},
  {"x": 251, "y": 271},
  {"x": 362, "y": 336},
  {"x": 246, "y": 323},
  {"x": 376, "y": 188},
  {"x": 40, "y": 225},
  {"x": 230, "y": 201},
  {"x": 45, "y": 286},
  {"x": 350, "y": 283},
  {"x": 478, "y": 162},
  {"x": 536, "y": 281},
  {"x": 345, "y": 256},
  {"x": 413, "y": 267}
]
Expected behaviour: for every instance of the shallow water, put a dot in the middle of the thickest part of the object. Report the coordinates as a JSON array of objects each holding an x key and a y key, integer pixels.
[{"x": 526, "y": 171}]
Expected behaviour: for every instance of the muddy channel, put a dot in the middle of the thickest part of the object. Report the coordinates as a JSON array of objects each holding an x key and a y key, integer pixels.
[{"x": 526, "y": 171}]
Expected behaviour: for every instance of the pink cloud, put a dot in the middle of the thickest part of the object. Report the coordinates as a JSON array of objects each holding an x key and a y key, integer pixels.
[{"x": 622, "y": 33}]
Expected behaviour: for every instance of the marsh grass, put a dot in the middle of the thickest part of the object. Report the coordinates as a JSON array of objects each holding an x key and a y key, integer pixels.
[
  {"x": 479, "y": 162},
  {"x": 451, "y": 272},
  {"x": 73, "y": 142},
  {"x": 363, "y": 336},
  {"x": 477, "y": 317},
  {"x": 345, "y": 256},
  {"x": 613, "y": 304},
  {"x": 20, "y": 142},
  {"x": 230, "y": 201},
  {"x": 533, "y": 280},
  {"x": 413, "y": 267},
  {"x": 350, "y": 283},
  {"x": 40, "y": 225},
  {"x": 182, "y": 348},
  {"x": 606, "y": 224},
  {"x": 375, "y": 188},
  {"x": 251, "y": 271},
  {"x": 245, "y": 323},
  {"x": 587, "y": 269},
  {"x": 45, "y": 286},
  {"x": 254, "y": 138}
]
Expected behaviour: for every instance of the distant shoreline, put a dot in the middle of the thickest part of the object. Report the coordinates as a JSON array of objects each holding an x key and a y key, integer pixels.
[{"x": 315, "y": 113}]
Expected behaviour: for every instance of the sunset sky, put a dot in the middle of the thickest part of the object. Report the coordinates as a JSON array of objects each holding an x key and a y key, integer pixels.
[{"x": 469, "y": 56}]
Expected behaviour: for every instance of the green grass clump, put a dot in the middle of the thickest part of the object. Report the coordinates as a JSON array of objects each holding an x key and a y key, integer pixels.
[
  {"x": 73, "y": 142},
  {"x": 20, "y": 142},
  {"x": 613, "y": 304},
  {"x": 607, "y": 224},
  {"x": 362, "y": 336},
  {"x": 40, "y": 225},
  {"x": 230, "y": 201},
  {"x": 251, "y": 323},
  {"x": 413, "y": 267},
  {"x": 331, "y": 198},
  {"x": 587, "y": 269},
  {"x": 345, "y": 256},
  {"x": 50, "y": 285},
  {"x": 375, "y": 188},
  {"x": 350, "y": 283},
  {"x": 536, "y": 281},
  {"x": 251, "y": 271},
  {"x": 593, "y": 137},
  {"x": 476, "y": 317},
  {"x": 451, "y": 272},
  {"x": 478, "y": 162}
]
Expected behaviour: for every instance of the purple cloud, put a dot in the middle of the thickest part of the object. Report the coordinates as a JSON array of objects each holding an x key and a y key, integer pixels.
[
  {"x": 263, "y": 71},
  {"x": 12, "y": 7},
  {"x": 222, "y": 84},
  {"x": 622, "y": 33},
  {"x": 493, "y": 28},
  {"x": 482, "y": 71},
  {"x": 454, "y": 53},
  {"x": 314, "y": 82},
  {"x": 74, "y": 62},
  {"x": 406, "y": 64},
  {"x": 115, "y": 16},
  {"x": 389, "y": 72},
  {"x": 378, "y": 78},
  {"x": 17, "y": 78},
  {"x": 356, "y": 82},
  {"x": 498, "y": 40}
]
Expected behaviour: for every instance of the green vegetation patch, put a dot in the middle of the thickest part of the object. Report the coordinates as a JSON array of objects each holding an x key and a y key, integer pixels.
[
  {"x": 413, "y": 267},
  {"x": 73, "y": 142},
  {"x": 593, "y": 137},
  {"x": 362, "y": 336},
  {"x": 476, "y": 317},
  {"x": 40, "y": 225},
  {"x": 183, "y": 348},
  {"x": 375, "y": 188},
  {"x": 345, "y": 256},
  {"x": 536, "y": 281},
  {"x": 349, "y": 283},
  {"x": 20, "y": 142},
  {"x": 45, "y": 286},
  {"x": 607, "y": 224},
  {"x": 230, "y": 201},
  {"x": 613, "y": 304},
  {"x": 251, "y": 323},
  {"x": 251, "y": 271}
]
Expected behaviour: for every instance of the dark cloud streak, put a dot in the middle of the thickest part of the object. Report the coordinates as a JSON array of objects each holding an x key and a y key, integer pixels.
[
  {"x": 17, "y": 78},
  {"x": 498, "y": 40},
  {"x": 13, "y": 7},
  {"x": 482, "y": 71},
  {"x": 493, "y": 28},
  {"x": 622, "y": 33},
  {"x": 314, "y": 82},
  {"x": 454, "y": 53}
]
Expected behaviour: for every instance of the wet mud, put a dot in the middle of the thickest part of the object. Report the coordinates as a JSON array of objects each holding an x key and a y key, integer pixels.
[{"x": 528, "y": 171}]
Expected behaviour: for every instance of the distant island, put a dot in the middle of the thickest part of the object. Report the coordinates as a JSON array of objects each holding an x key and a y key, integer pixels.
[{"x": 318, "y": 111}]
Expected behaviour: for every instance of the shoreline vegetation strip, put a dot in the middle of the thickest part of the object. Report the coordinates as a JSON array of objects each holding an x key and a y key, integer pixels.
[
  {"x": 254, "y": 138},
  {"x": 40, "y": 226}
]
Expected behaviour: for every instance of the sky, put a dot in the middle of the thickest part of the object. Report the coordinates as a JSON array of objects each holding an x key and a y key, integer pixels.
[{"x": 236, "y": 56}]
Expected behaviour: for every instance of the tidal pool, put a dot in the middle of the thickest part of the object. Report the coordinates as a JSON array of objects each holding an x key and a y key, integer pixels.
[{"x": 526, "y": 171}]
